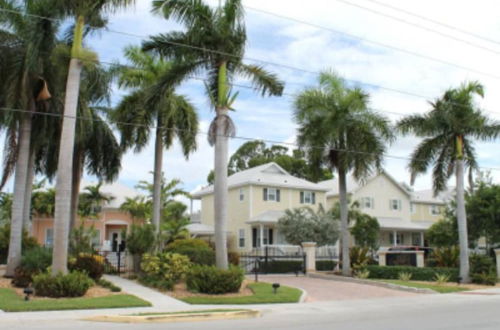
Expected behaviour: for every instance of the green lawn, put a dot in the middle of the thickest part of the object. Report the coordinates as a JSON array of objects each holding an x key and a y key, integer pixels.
[
  {"x": 263, "y": 294},
  {"x": 11, "y": 302},
  {"x": 432, "y": 286}
]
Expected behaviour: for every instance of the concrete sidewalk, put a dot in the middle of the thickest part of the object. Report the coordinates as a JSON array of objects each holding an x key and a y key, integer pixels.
[{"x": 157, "y": 299}]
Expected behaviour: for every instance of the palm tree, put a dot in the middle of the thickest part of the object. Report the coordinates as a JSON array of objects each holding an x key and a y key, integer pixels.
[
  {"x": 173, "y": 115},
  {"x": 26, "y": 45},
  {"x": 448, "y": 131},
  {"x": 92, "y": 200},
  {"x": 138, "y": 208},
  {"x": 81, "y": 11},
  {"x": 216, "y": 40},
  {"x": 337, "y": 129},
  {"x": 168, "y": 190}
]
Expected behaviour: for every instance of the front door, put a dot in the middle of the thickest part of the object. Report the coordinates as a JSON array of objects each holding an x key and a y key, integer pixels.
[{"x": 115, "y": 237}]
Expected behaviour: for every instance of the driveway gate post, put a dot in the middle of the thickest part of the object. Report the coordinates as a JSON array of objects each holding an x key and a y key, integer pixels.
[{"x": 310, "y": 251}]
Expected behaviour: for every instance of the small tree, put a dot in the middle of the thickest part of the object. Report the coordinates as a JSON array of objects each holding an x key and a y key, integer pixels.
[
  {"x": 305, "y": 225},
  {"x": 140, "y": 240},
  {"x": 443, "y": 233},
  {"x": 365, "y": 230}
]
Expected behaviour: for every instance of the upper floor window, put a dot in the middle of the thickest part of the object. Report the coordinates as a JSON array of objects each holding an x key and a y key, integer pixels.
[
  {"x": 271, "y": 194},
  {"x": 307, "y": 197},
  {"x": 434, "y": 209},
  {"x": 413, "y": 208},
  {"x": 242, "y": 194},
  {"x": 395, "y": 204},
  {"x": 367, "y": 203},
  {"x": 241, "y": 238}
]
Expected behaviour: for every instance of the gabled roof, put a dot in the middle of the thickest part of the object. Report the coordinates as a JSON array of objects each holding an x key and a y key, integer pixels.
[
  {"x": 117, "y": 190},
  {"x": 270, "y": 174},
  {"x": 354, "y": 185},
  {"x": 427, "y": 196}
]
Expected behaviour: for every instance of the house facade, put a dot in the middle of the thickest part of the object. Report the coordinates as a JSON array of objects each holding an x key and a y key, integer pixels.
[
  {"x": 258, "y": 198},
  {"x": 108, "y": 224}
]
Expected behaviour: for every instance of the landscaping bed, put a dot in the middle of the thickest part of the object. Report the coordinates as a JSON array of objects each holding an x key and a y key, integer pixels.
[{"x": 448, "y": 287}]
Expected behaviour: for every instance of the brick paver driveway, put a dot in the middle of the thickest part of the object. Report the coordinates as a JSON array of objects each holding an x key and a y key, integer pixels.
[{"x": 324, "y": 290}]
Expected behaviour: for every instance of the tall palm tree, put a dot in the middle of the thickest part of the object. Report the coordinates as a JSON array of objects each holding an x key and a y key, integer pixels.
[
  {"x": 173, "y": 115},
  {"x": 26, "y": 45},
  {"x": 337, "y": 129},
  {"x": 168, "y": 190},
  {"x": 92, "y": 200},
  {"x": 216, "y": 40},
  {"x": 81, "y": 11},
  {"x": 448, "y": 133},
  {"x": 138, "y": 207}
]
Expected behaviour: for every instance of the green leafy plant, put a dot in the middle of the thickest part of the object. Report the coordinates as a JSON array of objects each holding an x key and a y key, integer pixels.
[
  {"x": 441, "y": 278},
  {"x": 281, "y": 266},
  {"x": 28, "y": 242},
  {"x": 108, "y": 285},
  {"x": 73, "y": 284},
  {"x": 359, "y": 257},
  {"x": 362, "y": 274},
  {"x": 198, "y": 251},
  {"x": 405, "y": 276},
  {"x": 80, "y": 240},
  {"x": 418, "y": 273},
  {"x": 91, "y": 264},
  {"x": 482, "y": 270},
  {"x": 140, "y": 240},
  {"x": 167, "y": 268},
  {"x": 325, "y": 265},
  {"x": 446, "y": 256},
  {"x": 34, "y": 261},
  {"x": 211, "y": 280}
]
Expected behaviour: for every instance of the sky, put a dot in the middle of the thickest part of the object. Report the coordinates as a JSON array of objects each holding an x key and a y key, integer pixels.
[{"x": 371, "y": 51}]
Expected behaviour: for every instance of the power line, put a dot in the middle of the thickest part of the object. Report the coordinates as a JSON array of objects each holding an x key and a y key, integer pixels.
[
  {"x": 398, "y": 19},
  {"x": 449, "y": 26},
  {"x": 378, "y": 43},
  {"x": 244, "y": 138}
]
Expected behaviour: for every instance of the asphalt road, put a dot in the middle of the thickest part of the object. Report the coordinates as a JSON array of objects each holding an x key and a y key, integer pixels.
[{"x": 442, "y": 312}]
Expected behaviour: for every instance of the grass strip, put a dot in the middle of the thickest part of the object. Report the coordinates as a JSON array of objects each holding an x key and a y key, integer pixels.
[{"x": 420, "y": 285}]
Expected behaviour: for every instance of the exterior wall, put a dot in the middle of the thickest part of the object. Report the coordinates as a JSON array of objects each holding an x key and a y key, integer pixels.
[
  {"x": 289, "y": 199},
  {"x": 422, "y": 212}
]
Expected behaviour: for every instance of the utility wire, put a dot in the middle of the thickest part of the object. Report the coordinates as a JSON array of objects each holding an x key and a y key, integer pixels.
[
  {"x": 422, "y": 27},
  {"x": 244, "y": 138},
  {"x": 434, "y": 21}
]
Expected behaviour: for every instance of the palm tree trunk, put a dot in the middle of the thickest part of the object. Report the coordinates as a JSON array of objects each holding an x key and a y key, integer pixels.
[
  {"x": 28, "y": 192},
  {"x": 462, "y": 223},
  {"x": 344, "y": 223},
  {"x": 16, "y": 227},
  {"x": 65, "y": 162},
  {"x": 77, "y": 173},
  {"x": 157, "y": 176}
]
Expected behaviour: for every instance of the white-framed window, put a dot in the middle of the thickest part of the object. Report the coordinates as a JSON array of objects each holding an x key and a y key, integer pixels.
[
  {"x": 367, "y": 203},
  {"x": 272, "y": 194},
  {"x": 307, "y": 197},
  {"x": 96, "y": 239},
  {"x": 434, "y": 210},
  {"x": 49, "y": 236},
  {"x": 242, "y": 194},
  {"x": 395, "y": 205},
  {"x": 413, "y": 208},
  {"x": 399, "y": 238},
  {"x": 241, "y": 238}
]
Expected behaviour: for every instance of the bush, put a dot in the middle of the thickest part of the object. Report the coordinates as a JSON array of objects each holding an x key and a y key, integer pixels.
[
  {"x": 281, "y": 266},
  {"x": 28, "y": 242},
  {"x": 170, "y": 267},
  {"x": 92, "y": 265},
  {"x": 417, "y": 274},
  {"x": 211, "y": 280},
  {"x": 34, "y": 261},
  {"x": 198, "y": 251},
  {"x": 327, "y": 265},
  {"x": 234, "y": 258},
  {"x": 73, "y": 284},
  {"x": 441, "y": 278},
  {"x": 359, "y": 257},
  {"x": 156, "y": 282},
  {"x": 362, "y": 274},
  {"x": 404, "y": 276},
  {"x": 108, "y": 285},
  {"x": 139, "y": 241},
  {"x": 482, "y": 270},
  {"x": 446, "y": 256}
]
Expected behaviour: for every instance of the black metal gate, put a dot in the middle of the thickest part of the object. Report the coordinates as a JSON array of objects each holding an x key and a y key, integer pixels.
[
  {"x": 115, "y": 262},
  {"x": 273, "y": 260}
]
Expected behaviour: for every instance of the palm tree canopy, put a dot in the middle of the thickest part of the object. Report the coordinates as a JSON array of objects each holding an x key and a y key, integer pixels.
[
  {"x": 138, "y": 112},
  {"x": 169, "y": 190},
  {"x": 337, "y": 128},
  {"x": 448, "y": 133}
]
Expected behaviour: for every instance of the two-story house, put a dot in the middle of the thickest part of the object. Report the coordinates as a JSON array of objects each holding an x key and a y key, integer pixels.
[
  {"x": 258, "y": 198},
  {"x": 403, "y": 215}
]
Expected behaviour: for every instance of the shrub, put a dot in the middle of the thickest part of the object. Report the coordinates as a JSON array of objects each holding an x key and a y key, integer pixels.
[
  {"x": 34, "y": 261},
  {"x": 80, "y": 240},
  {"x": 171, "y": 267},
  {"x": 362, "y": 274},
  {"x": 234, "y": 258},
  {"x": 108, "y": 285},
  {"x": 441, "y": 278},
  {"x": 73, "y": 284},
  {"x": 482, "y": 270},
  {"x": 281, "y": 266},
  {"x": 446, "y": 256},
  {"x": 418, "y": 274},
  {"x": 156, "y": 282},
  {"x": 139, "y": 241},
  {"x": 404, "y": 276},
  {"x": 359, "y": 257},
  {"x": 198, "y": 251},
  {"x": 323, "y": 265},
  {"x": 211, "y": 280},
  {"x": 92, "y": 265},
  {"x": 28, "y": 242}
]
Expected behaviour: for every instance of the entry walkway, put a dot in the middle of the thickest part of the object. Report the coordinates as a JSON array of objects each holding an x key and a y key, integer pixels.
[
  {"x": 157, "y": 299},
  {"x": 326, "y": 290}
]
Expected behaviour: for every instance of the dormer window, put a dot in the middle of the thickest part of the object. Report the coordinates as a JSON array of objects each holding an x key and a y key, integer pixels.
[
  {"x": 307, "y": 197},
  {"x": 434, "y": 209},
  {"x": 271, "y": 194}
]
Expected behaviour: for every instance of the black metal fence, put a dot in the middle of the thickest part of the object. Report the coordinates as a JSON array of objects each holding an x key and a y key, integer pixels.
[
  {"x": 271, "y": 260},
  {"x": 116, "y": 262}
]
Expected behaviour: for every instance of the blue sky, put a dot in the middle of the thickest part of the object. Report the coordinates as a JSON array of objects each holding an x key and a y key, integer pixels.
[{"x": 282, "y": 41}]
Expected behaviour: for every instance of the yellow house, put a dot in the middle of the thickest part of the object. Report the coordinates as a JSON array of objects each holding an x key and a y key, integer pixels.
[
  {"x": 258, "y": 198},
  {"x": 403, "y": 215}
]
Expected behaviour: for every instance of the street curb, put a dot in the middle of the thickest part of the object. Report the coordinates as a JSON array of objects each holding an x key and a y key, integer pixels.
[
  {"x": 176, "y": 317},
  {"x": 369, "y": 282},
  {"x": 303, "y": 296}
]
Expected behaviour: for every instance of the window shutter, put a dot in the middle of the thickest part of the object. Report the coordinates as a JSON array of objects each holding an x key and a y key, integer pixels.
[
  {"x": 373, "y": 203},
  {"x": 301, "y": 197},
  {"x": 265, "y": 194},
  {"x": 314, "y": 198},
  {"x": 277, "y": 195}
]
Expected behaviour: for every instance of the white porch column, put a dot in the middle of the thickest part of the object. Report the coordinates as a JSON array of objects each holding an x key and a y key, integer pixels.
[
  {"x": 422, "y": 238},
  {"x": 310, "y": 251},
  {"x": 394, "y": 238},
  {"x": 261, "y": 238}
]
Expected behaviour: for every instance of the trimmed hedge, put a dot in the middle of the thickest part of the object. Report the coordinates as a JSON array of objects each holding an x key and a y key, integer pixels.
[
  {"x": 281, "y": 266},
  {"x": 197, "y": 250},
  {"x": 74, "y": 284},
  {"x": 325, "y": 265},
  {"x": 211, "y": 280},
  {"x": 417, "y": 274}
]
